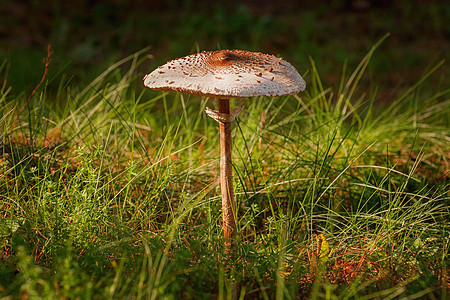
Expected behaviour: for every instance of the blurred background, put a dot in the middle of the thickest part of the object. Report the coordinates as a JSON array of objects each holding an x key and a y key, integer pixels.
[{"x": 87, "y": 36}]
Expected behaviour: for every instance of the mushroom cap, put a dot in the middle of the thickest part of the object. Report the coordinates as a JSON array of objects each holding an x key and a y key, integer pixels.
[{"x": 227, "y": 74}]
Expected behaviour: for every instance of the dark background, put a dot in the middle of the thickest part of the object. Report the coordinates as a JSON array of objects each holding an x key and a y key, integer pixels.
[{"x": 87, "y": 36}]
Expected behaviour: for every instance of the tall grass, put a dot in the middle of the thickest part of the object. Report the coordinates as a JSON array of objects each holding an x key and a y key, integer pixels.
[{"x": 111, "y": 191}]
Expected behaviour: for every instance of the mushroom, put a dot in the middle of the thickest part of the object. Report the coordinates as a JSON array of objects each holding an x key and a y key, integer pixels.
[{"x": 227, "y": 74}]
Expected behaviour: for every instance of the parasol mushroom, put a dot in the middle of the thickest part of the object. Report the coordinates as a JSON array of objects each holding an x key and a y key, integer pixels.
[{"x": 227, "y": 74}]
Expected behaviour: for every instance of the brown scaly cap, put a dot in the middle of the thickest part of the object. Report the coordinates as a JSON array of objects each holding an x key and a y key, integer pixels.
[{"x": 227, "y": 74}]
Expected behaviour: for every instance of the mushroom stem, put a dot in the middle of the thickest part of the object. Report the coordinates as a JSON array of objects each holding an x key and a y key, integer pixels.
[{"x": 226, "y": 177}]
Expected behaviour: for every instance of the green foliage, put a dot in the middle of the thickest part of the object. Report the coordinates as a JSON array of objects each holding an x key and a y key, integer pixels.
[{"x": 110, "y": 193}]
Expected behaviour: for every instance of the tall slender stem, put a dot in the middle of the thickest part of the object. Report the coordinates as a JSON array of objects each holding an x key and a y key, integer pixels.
[{"x": 226, "y": 178}]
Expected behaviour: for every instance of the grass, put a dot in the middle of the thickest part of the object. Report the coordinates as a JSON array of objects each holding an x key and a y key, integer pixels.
[{"x": 111, "y": 191}]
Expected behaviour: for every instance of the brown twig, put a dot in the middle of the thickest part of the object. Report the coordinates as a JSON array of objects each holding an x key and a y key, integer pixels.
[{"x": 47, "y": 61}]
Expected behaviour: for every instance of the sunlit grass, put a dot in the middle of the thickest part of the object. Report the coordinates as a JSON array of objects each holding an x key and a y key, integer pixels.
[{"x": 111, "y": 191}]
